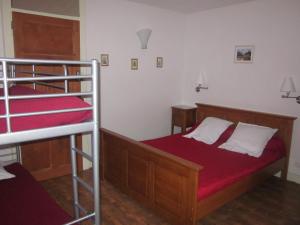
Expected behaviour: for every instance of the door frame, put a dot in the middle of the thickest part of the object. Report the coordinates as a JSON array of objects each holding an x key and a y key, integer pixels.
[{"x": 8, "y": 45}]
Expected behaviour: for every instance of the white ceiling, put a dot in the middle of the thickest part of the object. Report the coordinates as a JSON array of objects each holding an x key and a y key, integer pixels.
[{"x": 189, "y": 6}]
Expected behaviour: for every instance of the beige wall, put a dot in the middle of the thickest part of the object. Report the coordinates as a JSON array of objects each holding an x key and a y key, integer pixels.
[
  {"x": 272, "y": 26},
  {"x": 1, "y": 32},
  {"x": 136, "y": 103}
]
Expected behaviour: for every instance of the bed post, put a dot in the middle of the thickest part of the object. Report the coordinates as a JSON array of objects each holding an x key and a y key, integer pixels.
[
  {"x": 287, "y": 138},
  {"x": 96, "y": 140}
]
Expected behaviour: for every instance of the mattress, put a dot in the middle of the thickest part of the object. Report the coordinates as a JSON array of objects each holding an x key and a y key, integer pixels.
[
  {"x": 44, "y": 104},
  {"x": 221, "y": 167},
  {"x": 24, "y": 201}
]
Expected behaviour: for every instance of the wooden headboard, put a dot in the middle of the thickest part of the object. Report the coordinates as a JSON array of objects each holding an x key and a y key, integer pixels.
[{"x": 284, "y": 124}]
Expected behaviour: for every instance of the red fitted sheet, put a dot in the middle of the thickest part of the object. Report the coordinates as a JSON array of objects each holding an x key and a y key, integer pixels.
[
  {"x": 24, "y": 201},
  {"x": 221, "y": 167},
  {"x": 34, "y": 105}
]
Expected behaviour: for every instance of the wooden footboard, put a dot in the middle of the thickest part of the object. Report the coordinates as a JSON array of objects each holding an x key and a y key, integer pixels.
[{"x": 159, "y": 180}]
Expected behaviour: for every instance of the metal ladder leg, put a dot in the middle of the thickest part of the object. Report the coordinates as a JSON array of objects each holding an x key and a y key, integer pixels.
[
  {"x": 74, "y": 175},
  {"x": 96, "y": 176}
]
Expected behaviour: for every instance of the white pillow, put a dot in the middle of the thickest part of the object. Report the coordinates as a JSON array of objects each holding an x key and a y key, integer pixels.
[
  {"x": 4, "y": 174},
  {"x": 249, "y": 138},
  {"x": 209, "y": 130}
]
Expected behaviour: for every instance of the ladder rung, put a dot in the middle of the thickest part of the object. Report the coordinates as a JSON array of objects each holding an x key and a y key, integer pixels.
[
  {"x": 81, "y": 219},
  {"x": 84, "y": 184},
  {"x": 81, "y": 208},
  {"x": 80, "y": 152},
  {"x": 8, "y": 154}
]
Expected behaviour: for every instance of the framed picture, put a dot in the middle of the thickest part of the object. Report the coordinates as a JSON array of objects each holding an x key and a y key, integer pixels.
[
  {"x": 159, "y": 62},
  {"x": 134, "y": 64},
  {"x": 243, "y": 53},
  {"x": 104, "y": 60}
]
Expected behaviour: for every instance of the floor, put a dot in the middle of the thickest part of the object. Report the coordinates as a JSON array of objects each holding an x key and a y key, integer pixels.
[{"x": 273, "y": 203}]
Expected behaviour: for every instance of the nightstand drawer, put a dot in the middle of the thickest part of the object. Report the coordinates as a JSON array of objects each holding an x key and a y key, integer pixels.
[
  {"x": 190, "y": 117},
  {"x": 183, "y": 116},
  {"x": 178, "y": 117}
]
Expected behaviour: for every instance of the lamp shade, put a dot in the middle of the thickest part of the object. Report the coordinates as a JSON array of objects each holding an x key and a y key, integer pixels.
[
  {"x": 144, "y": 35},
  {"x": 201, "y": 80},
  {"x": 288, "y": 85}
]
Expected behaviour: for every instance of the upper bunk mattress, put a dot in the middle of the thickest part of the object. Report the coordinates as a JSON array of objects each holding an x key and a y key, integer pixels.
[
  {"x": 42, "y": 104},
  {"x": 220, "y": 167},
  {"x": 24, "y": 201}
]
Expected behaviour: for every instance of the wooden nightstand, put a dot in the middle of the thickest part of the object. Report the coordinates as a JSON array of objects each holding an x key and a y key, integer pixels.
[{"x": 183, "y": 116}]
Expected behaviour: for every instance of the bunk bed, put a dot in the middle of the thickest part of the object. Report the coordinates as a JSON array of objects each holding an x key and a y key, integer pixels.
[
  {"x": 172, "y": 176},
  {"x": 27, "y": 114}
]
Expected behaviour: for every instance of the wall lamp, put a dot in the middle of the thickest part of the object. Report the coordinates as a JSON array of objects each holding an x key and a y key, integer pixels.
[
  {"x": 288, "y": 86},
  {"x": 201, "y": 84},
  {"x": 144, "y": 35}
]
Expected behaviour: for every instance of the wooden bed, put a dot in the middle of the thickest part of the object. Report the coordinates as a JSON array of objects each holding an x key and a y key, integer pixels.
[{"x": 168, "y": 184}]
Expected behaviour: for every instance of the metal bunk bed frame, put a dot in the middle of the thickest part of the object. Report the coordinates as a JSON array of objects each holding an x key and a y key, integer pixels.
[{"x": 10, "y": 137}]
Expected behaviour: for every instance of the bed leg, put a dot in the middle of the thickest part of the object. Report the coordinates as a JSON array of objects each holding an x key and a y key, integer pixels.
[
  {"x": 96, "y": 176},
  {"x": 283, "y": 174},
  {"x": 74, "y": 175},
  {"x": 284, "y": 171}
]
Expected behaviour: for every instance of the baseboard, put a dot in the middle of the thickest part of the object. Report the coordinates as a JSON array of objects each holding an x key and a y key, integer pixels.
[{"x": 294, "y": 177}]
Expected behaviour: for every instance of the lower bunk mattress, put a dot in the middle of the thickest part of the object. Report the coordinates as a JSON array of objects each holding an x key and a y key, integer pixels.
[
  {"x": 23, "y": 201},
  {"x": 220, "y": 167}
]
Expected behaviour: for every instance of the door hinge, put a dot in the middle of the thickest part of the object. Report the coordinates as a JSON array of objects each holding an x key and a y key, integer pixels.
[{"x": 12, "y": 25}]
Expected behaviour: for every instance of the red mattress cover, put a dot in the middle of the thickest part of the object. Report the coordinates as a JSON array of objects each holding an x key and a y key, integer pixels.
[
  {"x": 24, "y": 201},
  {"x": 221, "y": 167},
  {"x": 34, "y": 105}
]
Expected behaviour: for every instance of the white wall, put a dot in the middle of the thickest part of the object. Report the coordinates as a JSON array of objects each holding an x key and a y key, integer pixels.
[
  {"x": 136, "y": 103},
  {"x": 273, "y": 26},
  {"x": 1, "y": 32},
  {"x": 2, "y": 54}
]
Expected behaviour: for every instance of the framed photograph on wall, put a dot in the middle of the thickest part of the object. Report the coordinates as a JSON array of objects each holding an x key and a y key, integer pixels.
[
  {"x": 134, "y": 64},
  {"x": 104, "y": 61},
  {"x": 159, "y": 62},
  {"x": 243, "y": 53}
]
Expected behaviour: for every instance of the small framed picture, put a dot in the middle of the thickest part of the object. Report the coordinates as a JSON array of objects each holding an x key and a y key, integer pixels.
[
  {"x": 104, "y": 60},
  {"x": 159, "y": 62},
  {"x": 134, "y": 64},
  {"x": 243, "y": 53}
]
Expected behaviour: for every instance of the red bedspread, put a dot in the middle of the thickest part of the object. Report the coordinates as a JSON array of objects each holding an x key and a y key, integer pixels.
[
  {"x": 24, "y": 201},
  {"x": 221, "y": 167},
  {"x": 34, "y": 105}
]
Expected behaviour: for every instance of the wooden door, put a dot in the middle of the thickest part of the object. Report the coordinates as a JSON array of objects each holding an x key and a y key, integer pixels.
[{"x": 42, "y": 37}]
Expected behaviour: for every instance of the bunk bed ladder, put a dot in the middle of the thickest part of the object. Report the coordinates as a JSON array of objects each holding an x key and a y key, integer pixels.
[
  {"x": 78, "y": 208},
  {"x": 76, "y": 180}
]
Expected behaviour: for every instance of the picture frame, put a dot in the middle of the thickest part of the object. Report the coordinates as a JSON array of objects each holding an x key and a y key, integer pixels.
[
  {"x": 134, "y": 64},
  {"x": 104, "y": 60},
  {"x": 159, "y": 62},
  {"x": 243, "y": 53}
]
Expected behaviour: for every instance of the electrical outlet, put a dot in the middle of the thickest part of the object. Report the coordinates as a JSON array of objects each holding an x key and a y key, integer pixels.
[{"x": 297, "y": 165}]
